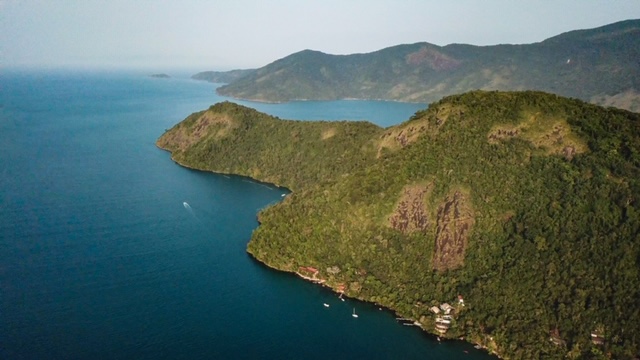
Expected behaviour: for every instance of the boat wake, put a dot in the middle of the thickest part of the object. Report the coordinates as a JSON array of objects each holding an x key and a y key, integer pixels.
[{"x": 190, "y": 210}]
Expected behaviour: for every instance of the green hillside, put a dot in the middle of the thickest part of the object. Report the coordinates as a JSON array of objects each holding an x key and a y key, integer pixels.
[
  {"x": 232, "y": 139},
  {"x": 524, "y": 203},
  {"x": 222, "y": 76},
  {"x": 597, "y": 65}
]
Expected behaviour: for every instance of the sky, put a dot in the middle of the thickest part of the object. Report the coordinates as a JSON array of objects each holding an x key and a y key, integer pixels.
[{"x": 237, "y": 34}]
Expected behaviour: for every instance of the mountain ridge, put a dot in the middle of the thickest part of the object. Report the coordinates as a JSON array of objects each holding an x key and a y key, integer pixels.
[{"x": 598, "y": 65}]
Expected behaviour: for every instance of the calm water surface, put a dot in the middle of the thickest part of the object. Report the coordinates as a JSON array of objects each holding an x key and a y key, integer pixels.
[{"x": 101, "y": 259}]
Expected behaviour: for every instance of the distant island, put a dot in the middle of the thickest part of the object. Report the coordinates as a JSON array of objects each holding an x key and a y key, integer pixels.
[
  {"x": 596, "y": 65},
  {"x": 160, "y": 76},
  {"x": 509, "y": 219}
]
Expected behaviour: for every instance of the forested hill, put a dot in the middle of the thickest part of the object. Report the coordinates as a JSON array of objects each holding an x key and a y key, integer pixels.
[
  {"x": 525, "y": 204},
  {"x": 222, "y": 76},
  {"x": 598, "y": 65}
]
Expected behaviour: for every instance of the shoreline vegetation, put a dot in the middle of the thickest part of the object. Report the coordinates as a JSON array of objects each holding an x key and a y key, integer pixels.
[
  {"x": 508, "y": 219},
  {"x": 337, "y": 288}
]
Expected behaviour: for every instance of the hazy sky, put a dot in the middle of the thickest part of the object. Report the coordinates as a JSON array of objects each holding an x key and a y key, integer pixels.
[{"x": 227, "y": 34}]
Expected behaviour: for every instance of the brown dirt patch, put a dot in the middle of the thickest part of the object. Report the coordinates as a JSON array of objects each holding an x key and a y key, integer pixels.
[
  {"x": 208, "y": 124},
  {"x": 501, "y": 133},
  {"x": 401, "y": 136},
  {"x": 552, "y": 134},
  {"x": 329, "y": 133},
  {"x": 433, "y": 58}
]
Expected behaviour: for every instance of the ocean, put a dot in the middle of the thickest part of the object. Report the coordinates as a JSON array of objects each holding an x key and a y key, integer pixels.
[{"x": 109, "y": 250}]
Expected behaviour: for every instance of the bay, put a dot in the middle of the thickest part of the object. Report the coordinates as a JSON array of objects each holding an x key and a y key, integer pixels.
[{"x": 109, "y": 250}]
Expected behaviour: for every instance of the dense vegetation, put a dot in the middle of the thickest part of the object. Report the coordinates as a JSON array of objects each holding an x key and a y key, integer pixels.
[
  {"x": 232, "y": 139},
  {"x": 597, "y": 65},
  {"x": 526, "y": 204}
]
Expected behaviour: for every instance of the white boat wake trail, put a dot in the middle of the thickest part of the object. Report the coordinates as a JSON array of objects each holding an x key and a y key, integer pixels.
[{"x": 190, "y": 210}]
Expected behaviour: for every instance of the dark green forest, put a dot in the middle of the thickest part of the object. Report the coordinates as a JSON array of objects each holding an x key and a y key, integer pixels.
[{"x": 526, "y": 204}]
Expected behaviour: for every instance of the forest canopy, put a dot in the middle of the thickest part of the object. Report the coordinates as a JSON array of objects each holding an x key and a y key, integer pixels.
[{"x": 524, "y": 204}]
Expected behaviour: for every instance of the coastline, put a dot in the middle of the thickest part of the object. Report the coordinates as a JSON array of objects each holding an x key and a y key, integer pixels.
[
  {"x": 264, "y": 183},
  {"x": 264, "y": 101},
  {"x": 432, "y": 335},
  {"x": 323, "y": 283}
]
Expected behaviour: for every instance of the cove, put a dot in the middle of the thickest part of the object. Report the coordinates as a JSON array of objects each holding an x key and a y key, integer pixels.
[{"x": 99, "y": 257}]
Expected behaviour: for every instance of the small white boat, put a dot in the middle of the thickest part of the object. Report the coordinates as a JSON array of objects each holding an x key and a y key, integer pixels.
[
  {"x": 325, "y": 305},
  {"x": 340, "y": 297},
  {"x": 354, "y": 313}
]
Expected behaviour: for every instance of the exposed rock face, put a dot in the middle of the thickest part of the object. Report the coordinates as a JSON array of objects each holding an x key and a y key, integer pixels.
[
  {"x": 454, "y": 222},
  {"x": 410, "y": 214},
  {"x": 452, "y": 226}
]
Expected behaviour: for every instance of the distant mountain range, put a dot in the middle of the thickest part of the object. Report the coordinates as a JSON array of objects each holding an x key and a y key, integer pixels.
[{"x": 598, "y": 65}]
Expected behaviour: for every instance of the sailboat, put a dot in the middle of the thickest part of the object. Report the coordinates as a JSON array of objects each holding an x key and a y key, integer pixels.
[
  {"x": 340, "y": 297},
  {"x": 354, "y": 313}
]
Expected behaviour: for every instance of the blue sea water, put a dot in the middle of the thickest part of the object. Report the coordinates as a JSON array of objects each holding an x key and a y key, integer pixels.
[{"x": 100, "y": 257}]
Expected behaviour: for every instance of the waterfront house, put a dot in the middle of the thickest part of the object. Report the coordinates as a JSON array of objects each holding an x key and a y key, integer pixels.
[
  {"x": 442, "y": 328},
  {"x": 446, "y": 308}
]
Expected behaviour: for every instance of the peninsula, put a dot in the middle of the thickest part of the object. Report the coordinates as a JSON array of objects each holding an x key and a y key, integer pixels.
[{"x": 511, "y": 219}]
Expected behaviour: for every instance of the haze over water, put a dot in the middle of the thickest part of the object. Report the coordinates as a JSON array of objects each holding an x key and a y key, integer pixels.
[{"x": 109, "y": 250}]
